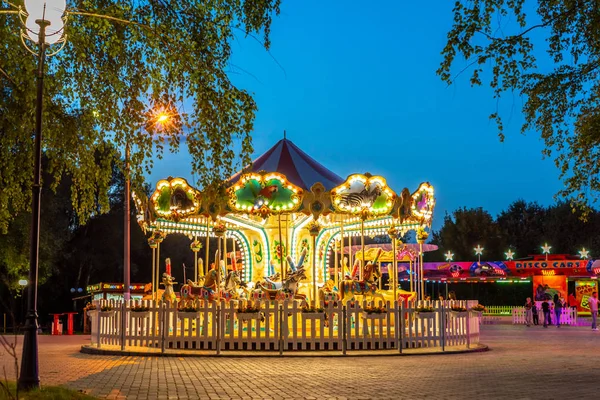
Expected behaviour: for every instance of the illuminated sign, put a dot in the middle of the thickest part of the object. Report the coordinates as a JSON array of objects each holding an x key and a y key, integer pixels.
[{"x": 550, "y": 264}]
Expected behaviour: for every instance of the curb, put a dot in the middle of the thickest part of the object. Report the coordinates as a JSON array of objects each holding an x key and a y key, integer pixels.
[{"x": 88, "y": 349}]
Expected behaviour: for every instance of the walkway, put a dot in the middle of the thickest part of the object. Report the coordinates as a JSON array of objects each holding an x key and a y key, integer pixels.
[{"x": 524, "y": 363}]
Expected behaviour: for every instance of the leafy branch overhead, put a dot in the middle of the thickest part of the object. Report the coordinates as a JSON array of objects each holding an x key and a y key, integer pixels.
[
  {"x": 121, "y": 59},
  {"x": 548, "y": 52}
]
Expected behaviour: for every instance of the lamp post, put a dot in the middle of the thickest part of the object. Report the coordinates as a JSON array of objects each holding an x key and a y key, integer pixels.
[
  {"x": 160, "y": 118},
  {"x": 43, "y": 26}
]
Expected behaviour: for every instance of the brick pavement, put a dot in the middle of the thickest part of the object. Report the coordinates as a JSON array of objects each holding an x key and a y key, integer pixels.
[{"x": 525, "y": 363}]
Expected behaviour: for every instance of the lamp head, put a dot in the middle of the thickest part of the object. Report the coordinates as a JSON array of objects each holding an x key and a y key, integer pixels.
[
  {"x": 23, "y": 282},
  {"x": 51, "y": 13}
]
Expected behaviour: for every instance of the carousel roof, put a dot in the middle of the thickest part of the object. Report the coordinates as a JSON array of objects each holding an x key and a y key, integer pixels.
[{"x": 298, "y": 167}]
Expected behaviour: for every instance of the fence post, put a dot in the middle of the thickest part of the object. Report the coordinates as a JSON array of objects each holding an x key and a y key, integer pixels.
[
  {"x": 443, "y": 326},
  {"x": 98, "y": 327},
  {"x": 280, "y": 327},
  {"x": 344, "y": 333},
  {"x": 163, "y": 328},
  {"x": 468, "y": 332},
  {"x": 123, "y": 325}
]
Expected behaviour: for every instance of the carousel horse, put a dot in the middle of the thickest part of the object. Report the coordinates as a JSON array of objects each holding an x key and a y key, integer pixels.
[
  {"x": 328, "y": 292},
  {"x": 286, "y": 289},
  {"x": 168, "y": 295},
  {"x": 207, "y": 291},
  {"x": 296, "y": 266},
  {"x": 367, "y": 287},
  {"x": 271, "y": 282},
  {"x": 230, "y": 290}
]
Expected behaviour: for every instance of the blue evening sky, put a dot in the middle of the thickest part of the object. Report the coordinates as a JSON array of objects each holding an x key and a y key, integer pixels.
[{"x": 360, "y": 94}]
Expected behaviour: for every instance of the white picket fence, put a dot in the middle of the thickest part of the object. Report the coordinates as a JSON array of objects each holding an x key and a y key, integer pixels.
[
  {"x": 283, "y": 327},
  {"x": 498, "y": 310},
  {"x": 568, "y": 316}
]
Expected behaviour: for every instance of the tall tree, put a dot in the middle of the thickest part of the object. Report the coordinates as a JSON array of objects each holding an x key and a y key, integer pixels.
[
  {"x": 567, "y": 234},
  {"x": 57, "y": 226},
  {"x": 502, "y": 42},
  {"x": 464, "y": 230},
  {"x": 120, "y": 59},
  {"x": 522, "y": 226}
]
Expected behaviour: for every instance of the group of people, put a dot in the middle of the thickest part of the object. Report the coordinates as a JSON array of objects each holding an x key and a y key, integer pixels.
[{"x": 531, "y": 311}]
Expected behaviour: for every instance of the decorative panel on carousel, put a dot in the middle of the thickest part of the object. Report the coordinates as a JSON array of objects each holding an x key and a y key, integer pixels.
[{"x": 265, "y": 194}]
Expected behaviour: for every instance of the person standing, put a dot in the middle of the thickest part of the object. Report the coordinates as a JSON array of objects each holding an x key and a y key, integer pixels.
[
  {"x": 546, "y": 311},
  {"x": 534, "y": 313},
  {"x": 528, "y": 311},
  {"x": 593, "y": 303},
  {"x": 558, "y": 306}
]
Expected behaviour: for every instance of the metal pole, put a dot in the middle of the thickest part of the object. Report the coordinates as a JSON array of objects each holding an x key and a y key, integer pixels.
[
  {"x": 126, "y": 228},
  {"x": 218, "y": 268},
  {"x": 421, "y": 271},
  {"x": 157, "y": 269},
  {"x": 335, "y": 262},
  {"x": 410, "y": 275},
  {"x": 206, "y": 261},
  {"x": 29, "y": 377},
  {"x": 280, "y": 249},
  {"x": 341, "y": 253},
  {"x": 195, "y": 262},
  {"x": 314, "y": 265},
  {"x": 395, "y": 268},
  {"x": 154, "y": 283},
  {"x": 362, "y": 245}
]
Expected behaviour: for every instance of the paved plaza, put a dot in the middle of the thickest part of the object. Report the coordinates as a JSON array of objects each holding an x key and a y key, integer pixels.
[{"x": 524, "y": 363}]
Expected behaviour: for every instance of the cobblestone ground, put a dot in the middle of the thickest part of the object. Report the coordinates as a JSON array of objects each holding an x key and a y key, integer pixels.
[{"x": 524, "y": 363}]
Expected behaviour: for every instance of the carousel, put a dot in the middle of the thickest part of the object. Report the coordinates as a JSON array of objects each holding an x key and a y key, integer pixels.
[{"x": 289, "y": 228}]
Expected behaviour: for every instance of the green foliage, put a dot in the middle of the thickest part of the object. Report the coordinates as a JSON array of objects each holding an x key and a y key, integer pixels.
[
  {"x": 464, "y": 230},
  {"x": 45, "y": 393},
  {"x": 523, "y": 227},
  {"x": 57, "y": 222},
  {"x": 501, "y": 41},
  {"x": 120, "y": 60}
]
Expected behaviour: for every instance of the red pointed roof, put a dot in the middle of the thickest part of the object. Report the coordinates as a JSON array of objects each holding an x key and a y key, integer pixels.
[{"x": 299, "y": 168}]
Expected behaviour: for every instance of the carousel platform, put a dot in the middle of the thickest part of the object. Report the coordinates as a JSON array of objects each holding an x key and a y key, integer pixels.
[{"x": 156, "y": 352}]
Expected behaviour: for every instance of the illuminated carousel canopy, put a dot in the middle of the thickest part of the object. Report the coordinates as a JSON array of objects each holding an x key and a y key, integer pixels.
[{"x": 299, "y": 168}]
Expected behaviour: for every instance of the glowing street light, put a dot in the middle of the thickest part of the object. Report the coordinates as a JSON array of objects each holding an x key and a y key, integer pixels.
[
  {"x": 162, "y": 118},
  {"x": 158, "y": 119},
  {"x": 509, "y": 255},
  {"x": 23, "y": 282},
  {"x": 478, "y": 252},
  {"x": 449, "y": 256},
  {"x": 546, "y": 250},
  {"x": 584, "y": 254}
]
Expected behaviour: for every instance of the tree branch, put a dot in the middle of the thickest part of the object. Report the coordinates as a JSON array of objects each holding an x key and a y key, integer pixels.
[{"x": 3, "y": 72}]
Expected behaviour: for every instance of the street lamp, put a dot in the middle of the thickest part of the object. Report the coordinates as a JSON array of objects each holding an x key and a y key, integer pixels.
[
  {"x": 43, "y": 26},
  {"x": 158, "y": 119}
]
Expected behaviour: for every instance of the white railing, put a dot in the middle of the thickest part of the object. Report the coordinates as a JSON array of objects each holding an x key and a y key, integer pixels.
[
  {"x": 282, "y": 327},
  {"x": 568, "y": 316},
  {"x": 498, "y": 310}
]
